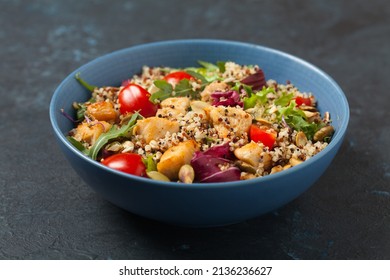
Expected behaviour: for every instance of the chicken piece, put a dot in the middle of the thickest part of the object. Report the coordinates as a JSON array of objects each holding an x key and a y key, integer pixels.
[
  {"x": 249, "y": 153},
  {"x": 198, "y": 107},
  {"x": 229, "y": 121},
  {"x": 211, "y": 88},
  {"x": 155, "y": 128},
  {"x": 253, "y": 154},
  {"x": 90, "y": 131},
  {"x": 174, "y": 106},
  {"x": 102, "y": 111},
  {"x": 175, "y": 157}
]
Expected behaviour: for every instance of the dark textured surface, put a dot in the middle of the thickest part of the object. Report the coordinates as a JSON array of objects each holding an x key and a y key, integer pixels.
[{"x": 47, "y": 212}]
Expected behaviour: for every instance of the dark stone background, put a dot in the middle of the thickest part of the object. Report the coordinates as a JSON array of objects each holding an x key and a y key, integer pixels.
[{"x": 47, "y": 212}]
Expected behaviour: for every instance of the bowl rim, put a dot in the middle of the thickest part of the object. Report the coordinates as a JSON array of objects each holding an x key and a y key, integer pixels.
[{"x": 231, "y": 184}]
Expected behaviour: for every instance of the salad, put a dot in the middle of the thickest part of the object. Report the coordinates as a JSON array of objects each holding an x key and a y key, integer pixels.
[{"x": 212, "y": 123}]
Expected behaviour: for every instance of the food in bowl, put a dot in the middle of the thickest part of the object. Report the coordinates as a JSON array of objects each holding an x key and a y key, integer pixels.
[{"x": 214, "y": 123}]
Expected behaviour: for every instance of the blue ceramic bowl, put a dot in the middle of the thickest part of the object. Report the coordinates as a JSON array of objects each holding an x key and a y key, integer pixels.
[{"x": 199, "y": 205}]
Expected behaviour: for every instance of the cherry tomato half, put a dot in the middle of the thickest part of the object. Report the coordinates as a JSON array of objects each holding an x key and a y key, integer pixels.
[
  {"x": 175, "y": 77},
  {"x": 126, "y": 162},
  {"x": 134, "y": 98},
  {"x": 258, "y": 134},
  {"x": 303, "y": 101}
]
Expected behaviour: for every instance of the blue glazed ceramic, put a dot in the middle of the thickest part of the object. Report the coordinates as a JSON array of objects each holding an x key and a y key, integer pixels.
[{"x": 199, "y": 205}]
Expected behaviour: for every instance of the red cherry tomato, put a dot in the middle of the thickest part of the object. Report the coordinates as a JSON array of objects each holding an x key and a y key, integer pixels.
[
  {"x": 175, "y": 77},
  {"x": 303, "y": 101},
  {"x": 126, "y": 162},
  {"x": 258, "y": 134},
  {"x": 134, "y": 98}
]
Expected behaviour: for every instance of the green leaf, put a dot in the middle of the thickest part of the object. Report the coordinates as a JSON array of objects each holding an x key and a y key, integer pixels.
[
  {"x": 240, "y": 86},
  {"x": 78, "y": 145},
  {"x": 296, "y": 118},
  {"x": 81, "y": 108},
  {"x": 84, "y": 83},
  {"x": 258, "y": 97},
  {"x": 262, "y": 94},
  {"x": 209, "y": 71},
  {"x": 250, "y": 102},
  {"x": 300, "y": 124},
  {"x": 184, "y": 88},
  {"x": 80, "y": 113},
  {"x": 150, "y": 164},
  {"x": 159, "y": 95},
  {"x": 198, "y": 76},
  {"x": 221, "y": 66},
  {"x": 290, "y": 110},
  {"x": 165, "y": 91},
  {"x": 285, "y": 99},
  {"x": 164, "y": 86},
  {"x": 113, "y": 133},
  {"x": 208, "y": 66}
]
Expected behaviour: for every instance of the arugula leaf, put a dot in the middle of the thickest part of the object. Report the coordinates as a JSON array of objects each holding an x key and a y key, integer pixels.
[
  {"x": 296, "y": 118},
  {"x": 208, "y": 66},
  {"x": 206, "y": 74},
  {"x": 221, "y": 66},
  {"x": 300, "y": 123},
  {"x": 165, "y": 91},
  {"x": 78, "y": 145},
  {"x": 209, "y": 70},
  {"x": 84, "y": 83},
  {"x": 198, "y": 76},
  {"x": 113, "y": 133},
  {"x": 184, "y": 88},
  {"x": 164, "y": 86},
  {"x": 81, "y": 109}
]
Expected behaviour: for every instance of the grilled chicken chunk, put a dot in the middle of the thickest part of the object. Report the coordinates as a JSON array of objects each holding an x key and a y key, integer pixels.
[{"x": 155, "y": 128}]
